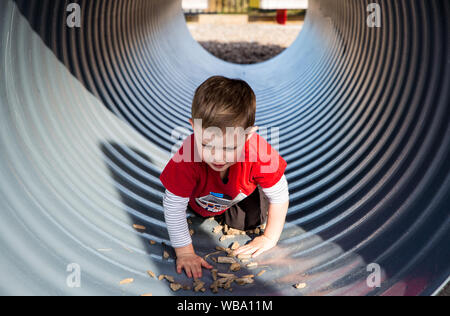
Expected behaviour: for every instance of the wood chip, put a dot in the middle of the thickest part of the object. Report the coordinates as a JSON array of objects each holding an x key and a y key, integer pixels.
[
  {"x": 230, "y": 252},
  {"x": 139, "y": 227},
  {"x": 169, "y": 278},
  {"x": 151, "y": 274},
  {"x": 191, "y": 232},
  {"x": 235, "y": 245},
  {"x": 212, "y": 254},
  {"x": 161, "y": 277},
  {"x": 252, "y": 265},
  {"x": 227, "y": 285},
  {"x": 257, "y": 231},
  {"x": 300, "y": 286},
  {"x": 243, "y": 281},
  {"x": 198, "y": 285},
  {"x": 147, "y": 294},
  {"x": 214, "y": 287},
  {"x": 126, "y": 281},
  {"x": 214, "y": 274},
  {"x": 232, "y": 231},
  {"x": 261, "y": 273},
  {"x": 226, "y": 260},
  {"x": 225, "y": 228},
  {"x": 226, "y": 275},
  {"x": 166, "y": 255},
  {"x": 244, "y": 256},
  {"x": 248, "y": 276},
  {"x": 152, "y": 242},
  {"x": 220, "y": 248},
  {"x": 224, "y": 282},
  {"x": 245, "y": 260},
  {"x": 217, "y": 229},
  {"x": 225, "y": 237},
  {"x": 175, "y": 286},
  {"x": 235, "y": 267}
]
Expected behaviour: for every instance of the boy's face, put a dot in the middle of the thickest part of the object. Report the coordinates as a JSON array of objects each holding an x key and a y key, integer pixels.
[{"x": 218, "y": 149}]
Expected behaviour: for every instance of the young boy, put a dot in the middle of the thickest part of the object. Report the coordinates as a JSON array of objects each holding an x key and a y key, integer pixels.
[{"x": 224, "y": 169}]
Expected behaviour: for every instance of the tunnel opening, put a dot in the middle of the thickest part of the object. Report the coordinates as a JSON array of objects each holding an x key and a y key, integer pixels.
[
  {"x": 241, "y": 32},
  {"x": 244, "y": 43}
]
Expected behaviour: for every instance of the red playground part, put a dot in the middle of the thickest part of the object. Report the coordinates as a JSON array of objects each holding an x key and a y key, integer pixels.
[{"x": 282, "y": 16}]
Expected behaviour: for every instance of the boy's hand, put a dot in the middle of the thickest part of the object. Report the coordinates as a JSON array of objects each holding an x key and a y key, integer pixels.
[
  {"x": 192, "y": 264},
  {"x": 256, "y": 247}
]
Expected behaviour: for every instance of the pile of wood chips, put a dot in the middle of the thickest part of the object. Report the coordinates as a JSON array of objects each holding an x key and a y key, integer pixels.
[
  {"x": 219, "y": 280},
  {"x": 221, "y": 255}
]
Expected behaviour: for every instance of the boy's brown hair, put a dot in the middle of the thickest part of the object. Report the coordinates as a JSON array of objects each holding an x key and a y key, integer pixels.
[{"x": 222, "y": 102}]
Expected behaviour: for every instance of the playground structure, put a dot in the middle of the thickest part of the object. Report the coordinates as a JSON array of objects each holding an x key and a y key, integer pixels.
[
  {"x": 195, "y": 4},
  {"x": 281, "y": 6},
  {"x": 93, "y": 104}
]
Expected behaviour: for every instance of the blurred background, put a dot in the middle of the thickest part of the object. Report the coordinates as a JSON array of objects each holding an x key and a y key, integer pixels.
[{"x": 245, "y": 31}]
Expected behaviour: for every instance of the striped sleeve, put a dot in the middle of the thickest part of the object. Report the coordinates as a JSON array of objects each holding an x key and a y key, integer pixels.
[
  {"x": 279, "y": 193},
  {"x": 175, "y": 217}
]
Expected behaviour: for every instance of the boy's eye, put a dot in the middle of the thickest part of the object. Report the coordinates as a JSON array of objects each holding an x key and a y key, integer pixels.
[{"x": 206, "y": 146}]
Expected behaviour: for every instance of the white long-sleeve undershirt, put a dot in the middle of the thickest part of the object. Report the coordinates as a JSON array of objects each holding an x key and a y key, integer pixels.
[{"x": 175, "y": 211}]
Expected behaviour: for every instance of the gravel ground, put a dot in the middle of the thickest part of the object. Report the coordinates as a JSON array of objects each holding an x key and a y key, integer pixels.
[{"x": 247, "y": 43}]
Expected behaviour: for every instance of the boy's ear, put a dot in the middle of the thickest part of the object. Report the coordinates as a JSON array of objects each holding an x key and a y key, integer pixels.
[{"x": 192, "y": 123}]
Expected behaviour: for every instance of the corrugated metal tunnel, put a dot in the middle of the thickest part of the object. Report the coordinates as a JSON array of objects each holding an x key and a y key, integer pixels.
[{"x": 87, "y": 120}]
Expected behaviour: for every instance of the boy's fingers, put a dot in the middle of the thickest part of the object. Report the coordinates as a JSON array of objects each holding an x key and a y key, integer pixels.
[
  {"x": 188, "y": 272},
  {"x": 206, "y": 264},
  {"x": 258, "y": 252},
  {"x": 241, "y": 249},
  {"x": 197, "y": 272},
  {"x": 246, "y": 250}
]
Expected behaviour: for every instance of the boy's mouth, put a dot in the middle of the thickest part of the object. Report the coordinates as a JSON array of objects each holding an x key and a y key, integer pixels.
[{"x": 218, "y": 166}]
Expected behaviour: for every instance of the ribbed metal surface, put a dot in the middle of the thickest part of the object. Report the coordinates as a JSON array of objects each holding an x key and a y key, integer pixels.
[{"x": 86, "y": 121}]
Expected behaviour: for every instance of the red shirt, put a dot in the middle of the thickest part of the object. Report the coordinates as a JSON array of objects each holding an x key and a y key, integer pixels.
[{"x": 208, "y": 194}]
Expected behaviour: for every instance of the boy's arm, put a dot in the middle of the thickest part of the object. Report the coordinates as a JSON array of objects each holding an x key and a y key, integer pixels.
[
  {"x": 275, "y": 221},
  {"x": 279, "y": 203},
  {"x": 175, "y": 216},
  {"x": 278, "y": 196}
]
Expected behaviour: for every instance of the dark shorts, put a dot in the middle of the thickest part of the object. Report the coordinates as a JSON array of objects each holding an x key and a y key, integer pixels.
[{"x": 247, "y": 214}]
